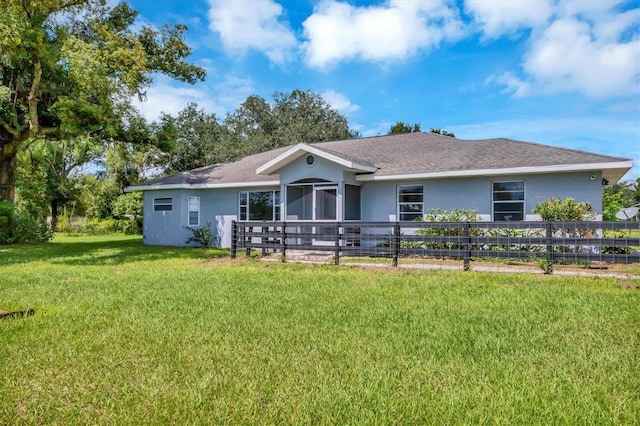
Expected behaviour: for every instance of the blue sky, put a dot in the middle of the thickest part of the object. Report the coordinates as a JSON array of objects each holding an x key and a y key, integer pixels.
[{"x": 562, "y": 73}]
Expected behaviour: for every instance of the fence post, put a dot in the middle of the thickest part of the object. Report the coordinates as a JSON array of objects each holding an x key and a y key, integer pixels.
[
  {"x": 466, "y": 246},
  {"x": 549, "y": 253},
  {"x": 244, "y": 238},
  {"x": 234, "y": 239},
  {"x": 336, "y": 256},
  {"x": 396, "y": 243},
  {"x": 283, "y": 241}
]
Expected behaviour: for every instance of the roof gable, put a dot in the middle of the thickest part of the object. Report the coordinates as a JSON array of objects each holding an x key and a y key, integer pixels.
[{"x": 350, "y": 163}]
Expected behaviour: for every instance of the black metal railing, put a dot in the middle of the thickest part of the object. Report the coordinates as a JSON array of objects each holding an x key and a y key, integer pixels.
[{"x": 612, "y": 242}]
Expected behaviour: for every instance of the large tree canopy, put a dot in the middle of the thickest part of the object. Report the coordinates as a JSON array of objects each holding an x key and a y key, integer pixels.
[
  {"x": 71, "y": 67},
  {"x": 293, "y": 117},
  {"x": 194, "y": 138}
]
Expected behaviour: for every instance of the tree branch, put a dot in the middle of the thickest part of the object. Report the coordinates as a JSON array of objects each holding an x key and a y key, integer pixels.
[
  {"x": 32, "y": 100},
  {"x": 11, "y": 130}
]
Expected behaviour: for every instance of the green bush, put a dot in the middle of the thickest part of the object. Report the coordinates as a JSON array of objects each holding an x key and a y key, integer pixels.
[
  {"x": 6, "y": 223},
  {"x": 556, "y": 210},
  {"x": 101, "y": 227},
  {"x": 202, "y": 236},
  {"x": 455, "y": 215},
  {"x": 18, "y": 226}
]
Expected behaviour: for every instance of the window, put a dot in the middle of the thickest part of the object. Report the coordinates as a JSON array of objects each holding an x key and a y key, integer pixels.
[
  {"x": 162, "y": 204},
  {"x": 260, "y": 205},
  {"x": 508, "y": 201},
  {"x": 410, "y": 202},
  {"x": 194, "y": 211},
  {"x": 352, "y": 202}
]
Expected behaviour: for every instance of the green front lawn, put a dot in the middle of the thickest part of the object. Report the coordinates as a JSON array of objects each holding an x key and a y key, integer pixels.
[{"x": 126, "y": 334}]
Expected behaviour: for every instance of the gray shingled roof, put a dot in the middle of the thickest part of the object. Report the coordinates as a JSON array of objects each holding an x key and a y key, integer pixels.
[{"x": 402, "y": 154}]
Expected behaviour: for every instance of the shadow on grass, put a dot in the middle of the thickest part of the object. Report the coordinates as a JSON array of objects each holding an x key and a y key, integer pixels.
[{"x": 112, "y": 250}]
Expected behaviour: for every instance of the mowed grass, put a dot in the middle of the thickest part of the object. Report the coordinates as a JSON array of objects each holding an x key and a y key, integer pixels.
[{"x": 127, "y": 334}]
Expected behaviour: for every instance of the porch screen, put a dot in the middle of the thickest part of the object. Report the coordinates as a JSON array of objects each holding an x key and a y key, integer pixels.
[{"x": 300, "y": 202}]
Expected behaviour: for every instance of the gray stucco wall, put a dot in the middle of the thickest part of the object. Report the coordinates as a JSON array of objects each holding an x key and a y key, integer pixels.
[
  {"x": 379, "y": 199},
  {"x": 321, "y": 169},
  {"x": 217, "y": 206}
]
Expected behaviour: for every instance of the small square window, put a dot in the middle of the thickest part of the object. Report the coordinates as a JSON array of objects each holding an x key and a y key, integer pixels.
[{"x": 162, "y": 204}]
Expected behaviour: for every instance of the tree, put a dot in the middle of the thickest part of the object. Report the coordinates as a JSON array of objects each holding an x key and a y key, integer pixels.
[
  {"x": 305, "y": 117},
  {"x": 71, "y": 67},
  {"x": 442, "y": 132},
  {"x": 618, "y": 196},
  {"x": 48, "y": 173},
  {"x": 192, "y": 139},
  {"x": 402, "y": 127}
]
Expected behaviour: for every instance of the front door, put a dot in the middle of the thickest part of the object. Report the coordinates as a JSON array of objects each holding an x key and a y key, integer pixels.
[{"x": 325, "y": 203}]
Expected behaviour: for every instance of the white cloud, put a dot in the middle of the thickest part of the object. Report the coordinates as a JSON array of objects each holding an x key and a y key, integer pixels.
[
  {"x": 586, "y": 47},
  {"x": 512, "y": 84},
  {"x": 568, "y": 58},
  {"x": 162, "y": 97},
  {"x": 339, "y": 101},
  {"x": 498, "y": 17},
  {"x": 338, "y": 31},
  {"x": 252, "y": 25}
]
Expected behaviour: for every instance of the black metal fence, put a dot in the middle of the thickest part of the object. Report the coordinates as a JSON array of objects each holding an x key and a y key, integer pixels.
[{"x": 552, "y": 242}]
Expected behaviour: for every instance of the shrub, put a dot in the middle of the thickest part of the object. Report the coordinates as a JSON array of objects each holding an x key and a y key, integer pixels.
[
  {"x": 202, "y": 236},
  {"x": 18, "y": 226},
  {"x": 455, "y": 215},
  {"x": 556, "y": 210}
]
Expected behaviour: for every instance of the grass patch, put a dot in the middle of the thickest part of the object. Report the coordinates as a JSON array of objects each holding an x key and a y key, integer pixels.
[{"x": 131, "y": 334}]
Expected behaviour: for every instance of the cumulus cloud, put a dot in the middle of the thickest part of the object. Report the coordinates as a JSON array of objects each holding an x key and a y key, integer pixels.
[
  {"x": 252, "y": 25},
  {"x": 339, "y": 101},
  {"x": 497, "y": 18},
  {"x": 338, "y": 31},
  {"x": 568, "y": 58},
  {"x": 586, "y": 47},
  {"x": 163, "y": 97}
]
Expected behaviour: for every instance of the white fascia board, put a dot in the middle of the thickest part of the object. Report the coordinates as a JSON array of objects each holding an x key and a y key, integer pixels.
[
  {"x": 281, "y": 160},
  {"x": 297, "y": 152},
  {"x": 506, "y": 171},
  {"x": 202, "y": 186}
]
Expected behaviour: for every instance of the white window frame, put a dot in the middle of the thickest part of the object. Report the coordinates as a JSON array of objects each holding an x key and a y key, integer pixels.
[
  {"x": 193, "y": 208},
  {"x": 275, "y": 194},
  {"x": 401, "y": 203},
  {"x": 523, "y": 201},
  {"x": 162, "y": 204}
]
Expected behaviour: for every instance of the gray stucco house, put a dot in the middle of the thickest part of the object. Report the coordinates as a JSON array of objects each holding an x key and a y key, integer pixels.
[{"x": 384, "y": 178}]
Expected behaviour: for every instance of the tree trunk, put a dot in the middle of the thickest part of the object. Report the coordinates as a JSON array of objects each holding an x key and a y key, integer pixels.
[
  {"x": 54, "y": 215},
  {"x": 8, "y": 168}
]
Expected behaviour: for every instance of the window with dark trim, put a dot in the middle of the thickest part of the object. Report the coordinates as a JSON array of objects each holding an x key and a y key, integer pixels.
[
  {"x": 508, "y": 201},
  {"x": 194, "y": 211},
  {"x": 410, "y": 202},
  {"x": 352, "y": 210},
  {"x": 259, "y": 205},
  {"x": 162, "y": 204}
]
